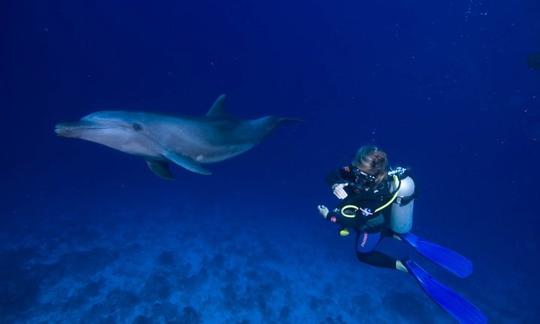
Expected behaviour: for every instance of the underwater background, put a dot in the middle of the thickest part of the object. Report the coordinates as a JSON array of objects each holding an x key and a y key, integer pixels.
[{"x": 89, "y": 234}]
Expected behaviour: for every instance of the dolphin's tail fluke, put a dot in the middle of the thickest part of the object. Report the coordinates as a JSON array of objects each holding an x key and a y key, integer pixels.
[
  {"x": 268, "y": 123},
  {"x": 278, "y": 121},
  {"x": 263, "y": 126}
]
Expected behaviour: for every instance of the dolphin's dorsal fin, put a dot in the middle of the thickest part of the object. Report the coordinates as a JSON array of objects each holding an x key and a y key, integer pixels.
[{"x": 218, "y": 108}]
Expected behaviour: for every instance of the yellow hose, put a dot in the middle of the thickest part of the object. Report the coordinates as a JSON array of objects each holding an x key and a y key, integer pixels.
[{"x": 397, "y": 184}]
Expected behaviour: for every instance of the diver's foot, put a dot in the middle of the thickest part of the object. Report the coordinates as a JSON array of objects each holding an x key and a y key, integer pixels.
[{"x": 400, "y": 266}]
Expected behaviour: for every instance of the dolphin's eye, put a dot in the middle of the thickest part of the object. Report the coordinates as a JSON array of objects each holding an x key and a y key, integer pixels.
[{"x": 137, "y": 127}]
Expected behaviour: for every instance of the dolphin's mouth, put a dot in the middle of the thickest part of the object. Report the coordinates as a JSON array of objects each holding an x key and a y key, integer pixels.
[{"x": 75, "y": 129}]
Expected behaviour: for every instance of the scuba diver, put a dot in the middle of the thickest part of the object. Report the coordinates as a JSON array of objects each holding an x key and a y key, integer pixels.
[{"x": 377, "y": 203}]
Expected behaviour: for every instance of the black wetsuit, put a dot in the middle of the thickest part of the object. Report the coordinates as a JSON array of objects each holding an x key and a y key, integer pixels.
[{"x": 370, "y": 227}]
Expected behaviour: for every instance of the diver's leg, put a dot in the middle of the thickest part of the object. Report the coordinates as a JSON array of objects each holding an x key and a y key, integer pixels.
[
  {"x": 389, "y": 233},
  {"x": 365, "y": 251}
]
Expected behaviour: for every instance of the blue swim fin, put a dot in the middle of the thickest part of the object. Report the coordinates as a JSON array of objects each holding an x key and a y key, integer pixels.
[
  {"x": 450, "y": 301},
  {"x": 446, "y": 258}
]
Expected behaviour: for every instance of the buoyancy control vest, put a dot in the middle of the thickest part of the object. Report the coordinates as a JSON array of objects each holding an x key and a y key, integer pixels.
[{"x": 368, "y": 210}]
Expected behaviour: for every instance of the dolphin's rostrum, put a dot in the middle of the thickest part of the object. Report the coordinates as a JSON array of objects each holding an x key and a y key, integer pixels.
[{"x": 186, "y": 141}]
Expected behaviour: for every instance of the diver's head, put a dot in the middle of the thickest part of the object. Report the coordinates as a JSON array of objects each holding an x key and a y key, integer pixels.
[{"x": 372, "y": 161}]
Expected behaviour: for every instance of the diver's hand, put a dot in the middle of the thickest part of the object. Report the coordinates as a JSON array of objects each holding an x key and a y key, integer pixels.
[
  {"x": 339, "y": 190},
  {"x": 323, "y": 210}
]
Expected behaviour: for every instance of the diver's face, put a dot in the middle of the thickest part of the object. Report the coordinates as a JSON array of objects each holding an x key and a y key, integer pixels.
[{"x": 363, "y": 177}]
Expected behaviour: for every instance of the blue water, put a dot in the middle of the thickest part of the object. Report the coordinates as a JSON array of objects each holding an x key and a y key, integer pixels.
[{"x": 89, "y": 234}]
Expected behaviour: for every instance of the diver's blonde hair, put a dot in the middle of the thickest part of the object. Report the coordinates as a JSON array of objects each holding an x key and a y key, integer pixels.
[{"x": 372, "y": 161}]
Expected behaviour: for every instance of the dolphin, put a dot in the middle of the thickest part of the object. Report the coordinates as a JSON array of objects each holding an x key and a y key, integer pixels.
[{"x": 160, "y": 139}]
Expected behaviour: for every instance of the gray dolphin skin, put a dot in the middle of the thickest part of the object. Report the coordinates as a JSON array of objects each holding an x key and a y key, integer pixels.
[{"x": 185, "y": 141}]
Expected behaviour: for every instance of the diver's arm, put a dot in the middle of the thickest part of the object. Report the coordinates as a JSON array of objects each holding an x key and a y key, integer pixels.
[
  {"x": 323, "y": 210},
  {"x": 330, "y": 216},
  {"x": 342, "y": 182},
  {"x": 334, "y": 177},
  {"x": 342, "y": 175}
]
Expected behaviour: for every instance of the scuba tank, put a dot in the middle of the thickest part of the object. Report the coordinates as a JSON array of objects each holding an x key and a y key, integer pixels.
[{"x": 401, "y": 213}]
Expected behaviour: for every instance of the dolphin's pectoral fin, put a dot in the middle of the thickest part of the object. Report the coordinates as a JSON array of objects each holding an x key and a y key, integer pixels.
[
  {"x": 218, "y": 108},
  {"x": 160, "y": 168},
  {"x": 186, "y": 162}
]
